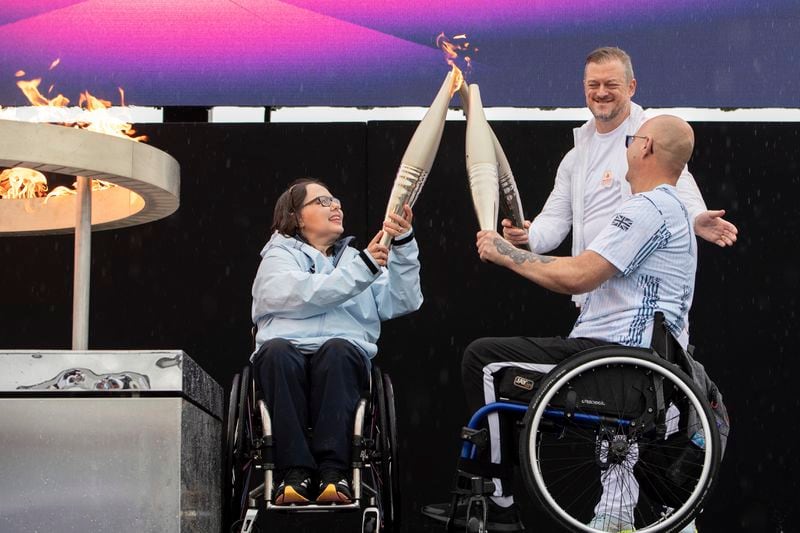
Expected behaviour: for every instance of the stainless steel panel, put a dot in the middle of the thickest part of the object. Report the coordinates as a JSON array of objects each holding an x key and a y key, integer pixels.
[{"x": 90, "y": 464}]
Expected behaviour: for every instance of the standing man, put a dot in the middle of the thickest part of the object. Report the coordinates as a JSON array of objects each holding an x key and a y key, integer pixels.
[
  {"x": 590, "y": 182},
  {"x": 643, "y": 260}
]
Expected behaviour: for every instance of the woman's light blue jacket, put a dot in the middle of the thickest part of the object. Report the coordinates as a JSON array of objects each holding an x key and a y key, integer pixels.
[{"x": 301, "y": 295}]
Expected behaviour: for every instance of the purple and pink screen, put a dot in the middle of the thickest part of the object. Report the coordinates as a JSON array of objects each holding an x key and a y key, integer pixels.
[{"x": 709, "y": 53}]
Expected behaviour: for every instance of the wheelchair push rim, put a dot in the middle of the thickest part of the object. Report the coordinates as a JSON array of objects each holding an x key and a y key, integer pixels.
[{"x": 539, "y": 427}]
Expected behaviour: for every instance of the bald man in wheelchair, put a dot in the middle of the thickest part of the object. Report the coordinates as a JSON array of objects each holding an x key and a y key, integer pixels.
[{"x": 642, "y": 262}]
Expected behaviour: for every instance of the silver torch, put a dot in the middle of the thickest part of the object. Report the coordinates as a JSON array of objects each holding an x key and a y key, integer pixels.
[
  {"x": 481, "y": 163},
  {"x": 421, "y": 151},
  {"x": 510, "y": 201}
]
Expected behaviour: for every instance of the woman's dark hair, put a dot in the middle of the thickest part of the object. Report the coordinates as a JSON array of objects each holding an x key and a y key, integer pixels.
[{"x": 285, "y": 219}]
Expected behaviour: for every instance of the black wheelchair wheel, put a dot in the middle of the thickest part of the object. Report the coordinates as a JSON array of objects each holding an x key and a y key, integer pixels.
[
  {"x": 238, "y": 448},
  {"x": 384, "y": 459},
  {"x": 231, "y": 418},
  {"x": 391, "y": 460},
  {"x": 596, "y": 415}
]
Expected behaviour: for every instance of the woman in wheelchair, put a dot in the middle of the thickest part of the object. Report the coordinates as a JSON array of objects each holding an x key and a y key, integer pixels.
[{"x": 318, "y": 304}]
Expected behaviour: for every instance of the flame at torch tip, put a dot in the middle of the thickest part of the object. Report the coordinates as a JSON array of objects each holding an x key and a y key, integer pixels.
[
  {"x": 19, "y": 73},
  {"x": 451, "y": 52},
  {"x": 456, "y": 81},
  {"x": 447, "y": 47}
]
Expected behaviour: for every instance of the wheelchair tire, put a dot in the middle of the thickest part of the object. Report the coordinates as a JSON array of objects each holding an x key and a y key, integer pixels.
[
  {"x": 239, "y": 447},
  {"x": 392, "y": 461},
  {"x": 384, "y": 465},
  {"x": 572, "y": 435},
  {"x": 231, "y": 416}
]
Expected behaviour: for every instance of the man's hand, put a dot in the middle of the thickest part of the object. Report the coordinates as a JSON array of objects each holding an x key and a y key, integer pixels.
[
  {"x": 712, "y": 227},
  {"x": 488, "y": 243},
  {"x": 397, "y": 225},
  {"x": 378, "y": 252},
  {"x": 514, "y": 235}
]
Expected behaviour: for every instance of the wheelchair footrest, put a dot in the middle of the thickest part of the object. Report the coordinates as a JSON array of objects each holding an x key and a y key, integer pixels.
[{"x": 468, "y": 484}]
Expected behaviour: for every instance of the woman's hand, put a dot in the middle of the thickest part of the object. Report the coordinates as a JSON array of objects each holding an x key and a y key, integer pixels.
[
  {"x": 379, "y": 252},
  {"x": 398, "y": 225}
]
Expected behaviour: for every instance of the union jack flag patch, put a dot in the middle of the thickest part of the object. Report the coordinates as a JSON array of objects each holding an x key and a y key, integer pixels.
[{"x": 623, "y": 223}]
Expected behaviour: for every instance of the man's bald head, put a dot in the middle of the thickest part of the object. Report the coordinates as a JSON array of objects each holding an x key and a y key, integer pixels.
[
  {"x": 658, "y": 152},
  {"x": 673, "y": 142}
]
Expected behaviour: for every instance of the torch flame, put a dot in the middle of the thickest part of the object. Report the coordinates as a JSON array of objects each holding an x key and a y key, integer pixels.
[
  {"x": 452, "y": 51},
  {"x": 457, "y": 80},
  {"x": 19, "y": 73}
]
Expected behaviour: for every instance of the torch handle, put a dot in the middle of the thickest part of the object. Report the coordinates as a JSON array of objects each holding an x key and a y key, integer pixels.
[
  {"x": 485, "y": 193},
  {"x": 510, "y": 201},
  {"x": 407, "y": 186}
]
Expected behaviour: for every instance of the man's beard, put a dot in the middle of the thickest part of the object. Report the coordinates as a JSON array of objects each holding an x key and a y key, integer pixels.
[{"x": 607, "y": 117}]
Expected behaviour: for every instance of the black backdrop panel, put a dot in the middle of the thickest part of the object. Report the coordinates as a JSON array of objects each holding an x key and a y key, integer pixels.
[{"x": 184, "y": 282}]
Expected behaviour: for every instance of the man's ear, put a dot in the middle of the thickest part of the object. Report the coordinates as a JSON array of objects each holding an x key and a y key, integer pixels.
[{"x": 647, "y": 147}]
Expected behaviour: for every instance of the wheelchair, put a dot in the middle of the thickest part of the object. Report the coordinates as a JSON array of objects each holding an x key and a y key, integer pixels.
[
  {"x": 249, "y": 468},
  {"x": 629, "y": 412}
]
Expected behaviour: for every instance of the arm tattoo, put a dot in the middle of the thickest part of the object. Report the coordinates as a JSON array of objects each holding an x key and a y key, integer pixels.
[{"x": 520, "y": 256}]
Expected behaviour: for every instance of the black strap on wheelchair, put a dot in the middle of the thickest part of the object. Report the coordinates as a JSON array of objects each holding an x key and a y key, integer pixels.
[{"x": 663, "y": 342}]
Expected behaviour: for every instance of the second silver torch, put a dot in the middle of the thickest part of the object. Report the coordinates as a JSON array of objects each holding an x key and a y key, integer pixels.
[
  {"x": 510, "y": 201},
  {"x": 481, "y": 163},
  {"x": 421, "y": 151}
]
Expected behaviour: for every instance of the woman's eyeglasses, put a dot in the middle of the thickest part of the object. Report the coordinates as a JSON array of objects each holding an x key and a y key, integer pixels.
[{"x": 325, "y": 201}]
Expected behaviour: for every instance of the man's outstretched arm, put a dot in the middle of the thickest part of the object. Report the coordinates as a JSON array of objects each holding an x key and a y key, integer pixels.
[{"x": 566, "y": 275}]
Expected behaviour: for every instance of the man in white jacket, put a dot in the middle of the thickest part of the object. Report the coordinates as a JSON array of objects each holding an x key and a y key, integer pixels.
[{"x": 590, "y": 182}]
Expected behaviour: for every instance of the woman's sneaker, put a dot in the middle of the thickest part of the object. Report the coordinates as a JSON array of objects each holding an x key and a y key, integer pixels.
[
  {"x": 295, "y": 488},
  {"x": 334, "y": 487}
]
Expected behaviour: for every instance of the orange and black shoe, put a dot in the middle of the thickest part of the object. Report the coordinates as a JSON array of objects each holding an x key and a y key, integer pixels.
[
  {"x": 295, "y": 488},
  {"x": 334, "y": 487}
]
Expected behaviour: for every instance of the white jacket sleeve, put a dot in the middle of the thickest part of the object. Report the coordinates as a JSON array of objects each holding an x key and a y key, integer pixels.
[
  {"x": 550, "y": 227},
  {"x": 690, "y": 195},
  {"x": 398, "y": 291},
  {"x": 282, "y": 288}
]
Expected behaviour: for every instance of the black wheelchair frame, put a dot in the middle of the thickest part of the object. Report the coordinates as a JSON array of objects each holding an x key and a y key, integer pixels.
[
  {"x": 659, "y": 428},
  {"x": 248, "y": 450}
]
